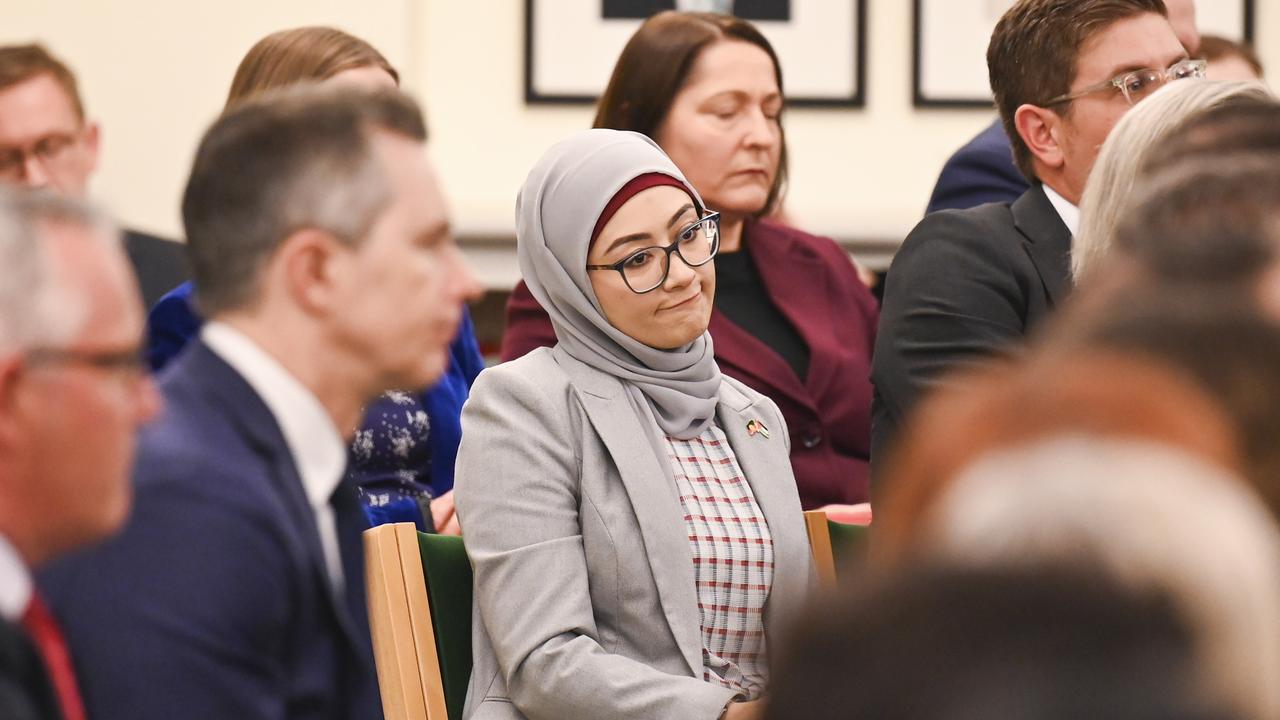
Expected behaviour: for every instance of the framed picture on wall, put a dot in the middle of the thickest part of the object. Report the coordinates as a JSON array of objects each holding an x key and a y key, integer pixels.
[
  {"x": 951, "y": 36},
  {"x": 572, "y": 45}
]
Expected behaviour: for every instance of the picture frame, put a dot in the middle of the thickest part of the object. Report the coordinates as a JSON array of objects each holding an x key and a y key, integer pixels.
[
  {"x": 571, "y": 46},
  {"x": 951, "y": 36}
]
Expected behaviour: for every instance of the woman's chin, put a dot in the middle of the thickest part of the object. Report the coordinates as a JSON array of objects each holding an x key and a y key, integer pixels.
[
  {"x": 674, "y": 339},
  {"x": 741, "y": 201}
]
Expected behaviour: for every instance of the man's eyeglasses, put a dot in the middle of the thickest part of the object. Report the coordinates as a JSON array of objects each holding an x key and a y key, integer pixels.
[
  {"x": 49, "y": 150},
  {"x": 128, "y": 361},
  {"x": 646, "y": 269},
  {"x": 1138, "y": 84}
]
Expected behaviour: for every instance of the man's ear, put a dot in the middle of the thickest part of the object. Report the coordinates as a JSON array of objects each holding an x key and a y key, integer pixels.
[
  {"x": 1038, "y": 127},
  {"x": 12, "y": 368},
  {"x": 92, "y": 143},
  {"x": 311, "y": 267}
]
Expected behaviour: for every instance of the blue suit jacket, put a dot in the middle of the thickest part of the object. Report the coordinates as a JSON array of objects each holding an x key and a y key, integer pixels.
[
  {"x": 980, "y": 172},
  {"x": 174, "y": 321},
  {"x": 214, "y": 601}
]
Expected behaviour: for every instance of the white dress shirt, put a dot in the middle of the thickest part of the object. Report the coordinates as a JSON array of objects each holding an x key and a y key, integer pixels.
[
  {"x": 15, "y": 583},
  {"x": 317, "y": 448},
  {"x": 1069, "y": 213}
]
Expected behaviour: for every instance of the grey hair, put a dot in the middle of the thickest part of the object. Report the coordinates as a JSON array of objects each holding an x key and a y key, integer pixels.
[
  {"x": 36, "y": 305},
  {"x": 299, "y": 158},
  {"x": 1133, "y": 140},
  {"x": 1153, "y": 517}
]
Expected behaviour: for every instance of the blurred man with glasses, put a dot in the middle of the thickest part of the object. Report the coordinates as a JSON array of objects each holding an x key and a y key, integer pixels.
[
  {"x": 72, "y": 395},
  {"x": 967, "y": 284},
  {"x": 47, "y": 142}
]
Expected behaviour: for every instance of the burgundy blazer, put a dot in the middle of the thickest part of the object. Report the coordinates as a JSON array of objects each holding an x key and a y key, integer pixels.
[{"x": 814, "y": 285}]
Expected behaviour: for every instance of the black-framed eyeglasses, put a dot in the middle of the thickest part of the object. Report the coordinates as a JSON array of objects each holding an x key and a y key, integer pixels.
[
  {"x": 646, "y": 269},
  {"x": 129, "y": 360},
  {"x": 1138, "y": 84},
  {"x": 50, "y": 150}
]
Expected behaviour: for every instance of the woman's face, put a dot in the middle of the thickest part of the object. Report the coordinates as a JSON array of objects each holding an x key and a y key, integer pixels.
[
  {"x": 723, "y": 130},
  {"x": 675, "y": 313}
]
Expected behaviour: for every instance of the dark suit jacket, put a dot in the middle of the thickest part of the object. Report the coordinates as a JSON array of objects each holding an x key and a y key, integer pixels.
[
  {"x": 160, "y": 265},
  {"x": 965, "y": 284},
  {"x": 214, "y": 601},
  {"x": 25, "y": 690},
  {"x": 981, "y": 171},
  {"x": 813, "y": 283}
]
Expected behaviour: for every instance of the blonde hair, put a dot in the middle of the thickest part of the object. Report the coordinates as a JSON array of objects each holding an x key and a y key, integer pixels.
[
  {"x": 1137, "y": 136},
  {"x": 288, "y": 57}
]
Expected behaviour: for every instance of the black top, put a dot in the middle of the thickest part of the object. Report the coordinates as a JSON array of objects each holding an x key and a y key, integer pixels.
[{"x": 741, "y": 296}]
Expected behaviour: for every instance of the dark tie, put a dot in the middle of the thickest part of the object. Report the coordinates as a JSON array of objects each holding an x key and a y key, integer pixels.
[
  {"x": 52, "y": 646},
  {"x": 351, "y": 522}
]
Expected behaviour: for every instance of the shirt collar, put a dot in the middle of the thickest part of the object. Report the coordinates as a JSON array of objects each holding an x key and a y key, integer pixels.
[
  {"x": 1069, "y": 213},
  {"x": 317, "y": 448},
  {"x": 15, "y": 583}
]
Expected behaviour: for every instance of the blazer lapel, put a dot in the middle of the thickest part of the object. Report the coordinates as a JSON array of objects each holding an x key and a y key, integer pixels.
[
  {"x": 798, "y": 283},
  {"x": 258, "y": 427},
  {"x": 651, "y": 488},
  {"x": 766, "y": 466},
  {"x": 1048, "y": 241}
]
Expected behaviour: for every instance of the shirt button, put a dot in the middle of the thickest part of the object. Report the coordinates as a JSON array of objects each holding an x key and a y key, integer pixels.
[{"x": 811, "y": 439}]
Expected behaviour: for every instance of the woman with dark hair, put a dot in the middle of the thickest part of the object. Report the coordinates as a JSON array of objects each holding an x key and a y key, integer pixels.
[
  {"x": 402, "y": 456},
  {"x": 792, "y": 320},
  {"x": 630, "y": 512}
]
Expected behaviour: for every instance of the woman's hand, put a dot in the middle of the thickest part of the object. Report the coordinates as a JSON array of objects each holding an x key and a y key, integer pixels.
[
  {"x": 443, "y": 515},
  {"x": 859, "y": 514},
  {"x": 744, "y": 711}
]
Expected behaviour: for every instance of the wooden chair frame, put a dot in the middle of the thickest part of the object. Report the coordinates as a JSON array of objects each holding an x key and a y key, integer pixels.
[
  {"x": 824, "y": 561},
  {"x": 404, "y": 645}
]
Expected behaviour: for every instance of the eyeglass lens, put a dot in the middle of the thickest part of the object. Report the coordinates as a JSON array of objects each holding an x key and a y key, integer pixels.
[
  {"x": 646, "y": 269},
  {"x": 1137, "y": 85}
]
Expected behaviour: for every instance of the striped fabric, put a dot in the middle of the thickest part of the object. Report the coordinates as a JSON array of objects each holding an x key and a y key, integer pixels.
[{"x": 732, "y": 560}]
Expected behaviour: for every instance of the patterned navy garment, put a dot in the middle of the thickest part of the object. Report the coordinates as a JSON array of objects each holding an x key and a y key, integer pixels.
[{"x": 390, "y": 460}]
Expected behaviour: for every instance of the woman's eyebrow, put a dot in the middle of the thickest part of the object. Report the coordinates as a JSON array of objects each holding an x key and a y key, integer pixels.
[
  {"x": 679, "y": 214},
  {"x": 626, "y": 239}
]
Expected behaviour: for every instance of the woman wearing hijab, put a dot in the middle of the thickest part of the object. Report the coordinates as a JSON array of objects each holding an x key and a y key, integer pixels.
[
  {"x": 791, "y": 318},
  {"x": 630, "y": 513}
]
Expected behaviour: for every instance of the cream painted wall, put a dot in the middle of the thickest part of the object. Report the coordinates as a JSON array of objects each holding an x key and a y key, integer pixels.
[{"x": 155, "y": 73}]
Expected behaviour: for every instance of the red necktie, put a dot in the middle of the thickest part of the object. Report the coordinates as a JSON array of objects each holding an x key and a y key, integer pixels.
[{"x": 48, "y": 640}]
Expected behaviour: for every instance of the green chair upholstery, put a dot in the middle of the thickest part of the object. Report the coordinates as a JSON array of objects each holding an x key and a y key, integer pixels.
[
  {"x": 448, "y": 576},
  {"x": 848, "y": 543}
]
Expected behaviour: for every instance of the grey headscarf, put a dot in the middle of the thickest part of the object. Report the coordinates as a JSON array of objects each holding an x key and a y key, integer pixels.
[{"x": 556, "y": 210}]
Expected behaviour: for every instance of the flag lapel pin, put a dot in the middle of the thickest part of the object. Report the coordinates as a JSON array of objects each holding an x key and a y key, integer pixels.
[{"x": 755, "y": 426}]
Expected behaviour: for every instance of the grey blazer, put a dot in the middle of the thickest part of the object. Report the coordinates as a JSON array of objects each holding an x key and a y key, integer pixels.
[{"x": 585, "y": 605}]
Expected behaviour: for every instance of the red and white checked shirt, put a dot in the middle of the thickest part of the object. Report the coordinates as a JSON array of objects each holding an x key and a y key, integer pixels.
[{"x": 732, "y": 560}]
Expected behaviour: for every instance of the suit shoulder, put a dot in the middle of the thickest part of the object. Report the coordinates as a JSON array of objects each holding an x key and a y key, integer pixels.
[
  {"x": 195, "y": 444},
  {"x": 974, "y": 242},
  {"x": 980, "y": 227},
  {"x": 534, "y": 381}
]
